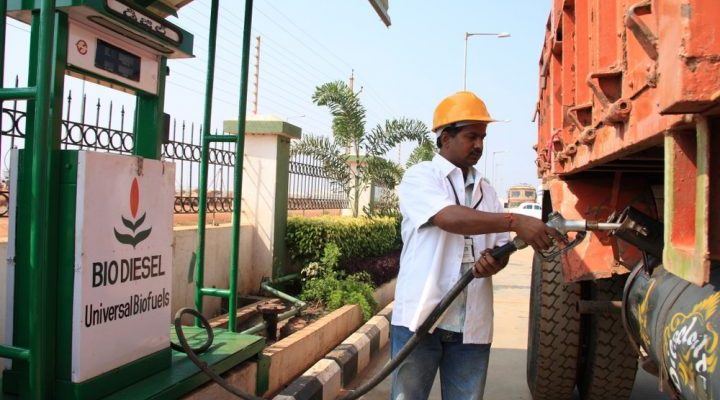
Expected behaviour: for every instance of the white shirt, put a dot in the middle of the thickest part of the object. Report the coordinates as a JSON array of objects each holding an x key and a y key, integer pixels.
[
  {"x": 431, "y": 257},
  {"x": 454, "y": 317}
]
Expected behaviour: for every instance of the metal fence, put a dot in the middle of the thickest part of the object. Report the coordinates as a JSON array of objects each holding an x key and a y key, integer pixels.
[
  {"x": 381, "y": 195},
  {"x": 311, "y": 188},
  {"x": 182, "y": 145}
]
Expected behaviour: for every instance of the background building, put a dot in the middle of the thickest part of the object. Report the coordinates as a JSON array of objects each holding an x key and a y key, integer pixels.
[{"x": 522, "y": 193}]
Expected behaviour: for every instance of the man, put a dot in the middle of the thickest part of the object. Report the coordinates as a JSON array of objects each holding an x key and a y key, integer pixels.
[{"x": 451, "y": 219}]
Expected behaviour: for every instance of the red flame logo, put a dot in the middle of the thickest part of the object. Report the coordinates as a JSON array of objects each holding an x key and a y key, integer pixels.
[
  {"x": 134, "y": 197},
  {"x": 133, "y": 224}
]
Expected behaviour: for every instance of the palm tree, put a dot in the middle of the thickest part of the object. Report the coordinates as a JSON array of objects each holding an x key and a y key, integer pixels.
[
  {"x": 424, "y": 152},
  {"x": 354, "y": 157}
]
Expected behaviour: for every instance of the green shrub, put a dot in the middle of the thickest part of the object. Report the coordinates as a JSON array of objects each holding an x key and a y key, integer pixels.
[
  {"x": 322, "y": 283},
  {"x": 354, "y": 237}
]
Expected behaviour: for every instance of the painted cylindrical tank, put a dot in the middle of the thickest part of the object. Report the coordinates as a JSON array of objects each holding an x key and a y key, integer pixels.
[{"x": 677, "y": 324}]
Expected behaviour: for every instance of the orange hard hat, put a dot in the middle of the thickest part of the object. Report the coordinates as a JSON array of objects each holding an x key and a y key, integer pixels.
[{"x": 460, "y": 107}]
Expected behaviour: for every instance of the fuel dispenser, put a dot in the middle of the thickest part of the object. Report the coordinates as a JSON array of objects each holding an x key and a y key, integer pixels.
[{"x": 90, "y": 248}]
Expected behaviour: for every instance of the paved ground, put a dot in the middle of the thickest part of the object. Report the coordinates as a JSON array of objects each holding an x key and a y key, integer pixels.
[{"x": 506, "y": 378}]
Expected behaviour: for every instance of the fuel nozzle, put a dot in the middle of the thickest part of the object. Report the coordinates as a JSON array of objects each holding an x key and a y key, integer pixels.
[{"x": 564, "y": 226}]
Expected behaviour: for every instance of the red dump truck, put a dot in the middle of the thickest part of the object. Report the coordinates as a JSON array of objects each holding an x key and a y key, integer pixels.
[{"x": 629, "y": 132}]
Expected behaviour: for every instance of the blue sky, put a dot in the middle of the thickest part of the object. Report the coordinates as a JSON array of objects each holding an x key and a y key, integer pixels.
[{"x": 404, "y": 70}]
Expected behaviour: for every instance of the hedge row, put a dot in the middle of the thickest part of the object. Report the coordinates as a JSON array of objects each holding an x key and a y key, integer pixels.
[
  {"x": 381, "y": 269},
  {"x": 355, "y": 237}
]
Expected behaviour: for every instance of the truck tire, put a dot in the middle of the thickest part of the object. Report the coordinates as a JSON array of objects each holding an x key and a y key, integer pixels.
[
  {"x": 553, "y": 332},
  {"x": 608, "y": 361}
]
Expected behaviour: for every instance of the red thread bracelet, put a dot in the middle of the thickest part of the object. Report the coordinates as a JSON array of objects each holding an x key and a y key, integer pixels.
[{"x": 509, "y": 218}]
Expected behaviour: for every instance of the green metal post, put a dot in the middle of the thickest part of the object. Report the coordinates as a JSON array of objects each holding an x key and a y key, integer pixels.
[
  {"x": 202, "y": 210},
  {"x": 239, "y": 151},
  {"x": 41, "y": 303}
]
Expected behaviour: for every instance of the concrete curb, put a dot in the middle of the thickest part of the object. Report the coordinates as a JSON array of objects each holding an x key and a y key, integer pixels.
[{"x": 324, "y": 380}]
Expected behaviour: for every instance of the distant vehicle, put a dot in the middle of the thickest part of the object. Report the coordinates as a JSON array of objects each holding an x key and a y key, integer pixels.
[
  {"x": 522, "y": 193},
  {"x": 531, "y": 209}
]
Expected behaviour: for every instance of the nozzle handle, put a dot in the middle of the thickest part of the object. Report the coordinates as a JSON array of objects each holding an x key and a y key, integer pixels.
[{"x": 506, "y": 249}]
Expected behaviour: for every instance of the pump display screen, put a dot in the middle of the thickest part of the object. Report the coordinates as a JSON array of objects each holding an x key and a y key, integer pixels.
[{"x": 118, "y": 61}]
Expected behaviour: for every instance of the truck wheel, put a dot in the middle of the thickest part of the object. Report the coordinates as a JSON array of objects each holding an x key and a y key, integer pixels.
[
  {"x": 553, "y": 332},
  {"x": 609, "y": 363}
]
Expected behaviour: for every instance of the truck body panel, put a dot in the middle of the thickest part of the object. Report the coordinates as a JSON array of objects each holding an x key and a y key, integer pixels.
[{"x": 629, "y": 100}]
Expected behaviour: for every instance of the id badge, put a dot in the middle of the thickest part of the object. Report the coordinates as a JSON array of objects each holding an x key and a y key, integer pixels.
[{"x": 468, "y": 253}]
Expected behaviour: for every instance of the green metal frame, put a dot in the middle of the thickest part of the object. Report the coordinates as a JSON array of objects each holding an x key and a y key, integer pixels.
[
  {"x": 37, "y": 355},
  {"x": 43, "y": 286},
  {"x": 42, "y": 334},
  {"x": 239, "y": 140},
  {"x": 22, "y": 9}
]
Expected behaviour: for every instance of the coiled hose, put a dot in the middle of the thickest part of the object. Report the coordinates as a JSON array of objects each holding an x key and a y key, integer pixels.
[{"x": 192, "y": 353}]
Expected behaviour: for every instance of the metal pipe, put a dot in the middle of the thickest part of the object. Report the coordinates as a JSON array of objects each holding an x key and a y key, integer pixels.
[
  {"x": 604, "y": 226},
  {"x": 465, "y": 64},
  {"x": 215, "y": 292},
  {"x": 285, "y": 278},
  {"x": 262, "y": 326},
  {"x": 218, "y": 138},
  {"x": 270, "y": 314},
  {"x": 204, "y": 156},
  {"x": 40, "y": 304},
  {"x": 562, "y": 225},
  {"x": 239, "y": 152},
  {"x": 25, "y": 93},
  {"x": 298, "y": 304},
  {"x": 266, "y": 286},
  {"x": 14, "y": 353}
]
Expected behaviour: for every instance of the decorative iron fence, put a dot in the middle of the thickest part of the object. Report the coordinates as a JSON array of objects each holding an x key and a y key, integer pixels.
[
  {"x": 183, "y": 145},
  {"x": 381, "y": 195},
  {"x": 311, "y": 188}
]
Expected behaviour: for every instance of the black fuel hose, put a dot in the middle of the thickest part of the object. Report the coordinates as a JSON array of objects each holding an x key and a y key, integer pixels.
[
  {"x": 500, "y": 252},
  {"x": 192, "y": 353},
  {"x": 422, "y": 331}
]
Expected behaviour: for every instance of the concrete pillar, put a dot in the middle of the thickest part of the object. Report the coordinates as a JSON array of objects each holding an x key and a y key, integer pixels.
[{"x": 265, "y": 195}]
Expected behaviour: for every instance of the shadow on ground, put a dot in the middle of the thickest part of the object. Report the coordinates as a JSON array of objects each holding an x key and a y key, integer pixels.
[{"x": 506, "y": 379}]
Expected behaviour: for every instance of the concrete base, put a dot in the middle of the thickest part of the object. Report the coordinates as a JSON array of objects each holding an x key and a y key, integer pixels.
[
  {"x": 293, "y": 355},
  {"x": 385, "y": 294}
]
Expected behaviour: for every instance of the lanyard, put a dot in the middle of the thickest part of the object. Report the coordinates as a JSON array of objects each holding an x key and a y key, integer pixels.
[{"x": 457, "y": 199}]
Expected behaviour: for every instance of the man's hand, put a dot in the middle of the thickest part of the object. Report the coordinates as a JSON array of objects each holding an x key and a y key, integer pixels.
[
  {"x": 488, "y": 266},
  {"x": 535, "y": 233}
]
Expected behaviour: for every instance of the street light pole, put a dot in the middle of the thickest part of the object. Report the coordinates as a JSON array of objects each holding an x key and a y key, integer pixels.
[
  {"x": 496, "y": 185},
  {"x": 493, "y": 164},
  {"x": 469, "y": 34}
]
